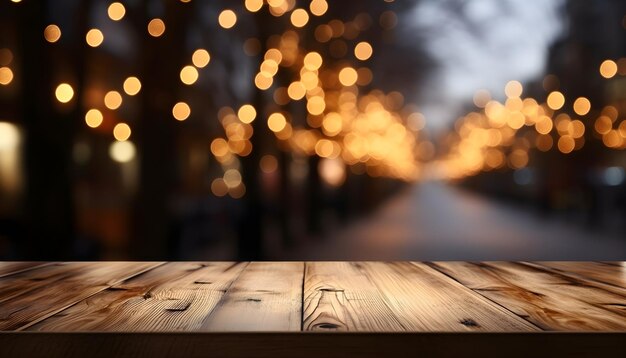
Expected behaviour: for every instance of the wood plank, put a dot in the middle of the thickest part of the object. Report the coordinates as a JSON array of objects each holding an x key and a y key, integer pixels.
[
  {"x": 177, "y": 296},
  {"x": 267, "y": 296},
  {"x": 552, "y": 302},
  {"x": 608, "y": 273},
  {"x": 29, "y": 296},
  {"x": 12, "y": 267},
  {"x": 426, "y": 300},
  {"x": 338, "y": 296}
]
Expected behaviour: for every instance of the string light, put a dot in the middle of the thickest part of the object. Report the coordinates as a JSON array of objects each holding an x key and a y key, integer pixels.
[
  {"x": 64, "y": 93},
  {"x": 116, "y": 11},
  {"x": 156, "y": 27},
  {"x": 52, "y": 33},
  {"x": 132, "y": 86}
]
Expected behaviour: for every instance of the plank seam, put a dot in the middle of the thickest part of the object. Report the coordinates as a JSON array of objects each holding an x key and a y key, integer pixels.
[
  {"x": 21, "y": 328},
  {"x": 219, "y": 303},
  {"x": 434, "y": 266},
  {"x": 302, "y": 296}
]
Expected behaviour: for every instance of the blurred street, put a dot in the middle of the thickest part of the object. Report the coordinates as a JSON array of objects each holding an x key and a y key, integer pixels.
[
  {"x": 309, "y": 129},
  {"x": 435, "y": 221}
]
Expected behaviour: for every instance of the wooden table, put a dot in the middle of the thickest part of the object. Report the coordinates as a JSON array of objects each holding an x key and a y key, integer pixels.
[{"x": 311, "y": 308}]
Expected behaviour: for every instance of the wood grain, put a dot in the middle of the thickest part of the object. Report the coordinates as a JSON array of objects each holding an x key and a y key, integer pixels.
[
  {"x": 29, "y": 296},
  {"x": 12, "y": 267},
  {"x": 426, "y": 300},
  {"x": 338, "y": 296},
  {"x": 267, "y": 296},
  {"x": 313, "y": 296},
  {"x": 552, "y": 302},
  {"x": 613, "y": 273},
  {"x": 174, "y": 297}
]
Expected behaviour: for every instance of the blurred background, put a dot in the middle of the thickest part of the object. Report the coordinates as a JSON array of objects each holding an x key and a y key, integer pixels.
[{"x": 316, "y": 129}]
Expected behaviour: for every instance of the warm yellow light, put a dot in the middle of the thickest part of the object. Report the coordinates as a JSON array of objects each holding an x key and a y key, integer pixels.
[
  {"x": 219, "y": 147},
  {"x": 227, "y": 19},
  {"x": 332, "y": 124},
  {"x": 576, "y": 128},
  {"x": 52, "y": 33},
  {"x": 603, "y": 124},
  {"x": 313, "y": 61},
  {"x": 189, "y": 75},
  {"x": 181, "y": 111},
  {"x": 544, "y": 125},
  {"x": 218, "y": 187},
  {"x": 299, "y": 17},
  {"x": 94, "y": 37},
  {"x": 296, "y": 90},
  {"x": 273, "y": 54},
  {"x": 113, "y": 100},
  {"x": 268, "y": 164},
  {"x": 262, "y": 81},
  {"x": 544, "y": 142},
  {"x": 332, "y": 171},
  {"x": 518, "y": 158},
  {"x": 318, "y": 7},
  {"x": 156, "y": 27},
  {"x": 232, "y": 178},
  {"x": 276, "y": 122},
  {"x": 116, "y": 11},
  {"x": 608, "y": 68},
  {"x": 6, "y": 76},
  {"x": 316, "y": 105},
  {"x": 309, "y": 80},
  {"x": 566, "y": 144},
  {"x": 326, "y": 148},
  {"x": 200, "y": 58},
  {"x": 64, "y": 93},
  {"x": 612, "y": 139},
  {"x": 122, "y": 152},
  {"x": 93, "y": 118},
  {"x": 513, "y": 89},
  {"x": 555, "y": 100},
  {"x": 253, "y": 5},
  {"x": 269, "y": 67},
  {"x": 348, "y": 76},
  {"x": 582, "y": 106},
  {"x": 363, "y": 51},
  {"x": 132, "y": 86},
  {"x": 246, "y": 113},
  {"x": 121, "y": 132}
]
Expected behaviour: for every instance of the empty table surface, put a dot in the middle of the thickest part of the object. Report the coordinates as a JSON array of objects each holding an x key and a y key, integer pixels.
[{"x": 285, "y": 297}]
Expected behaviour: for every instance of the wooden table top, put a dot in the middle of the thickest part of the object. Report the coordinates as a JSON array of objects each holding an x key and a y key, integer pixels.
[{"x": 313, "y": 296}]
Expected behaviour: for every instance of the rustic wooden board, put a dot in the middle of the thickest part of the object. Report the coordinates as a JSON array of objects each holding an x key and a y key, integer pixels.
[
  {"x": 267, "y": 296},
  {"x": 426, "y": 300},
  {"x": 30, "y": 296},
  {"x": 12, "y": 267},
  {"x": 174, "y": 297},
  {"x": 313, "y": 296},
  {"x": 338, "y": 296},
  {"x": 552, "y": 302}
]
